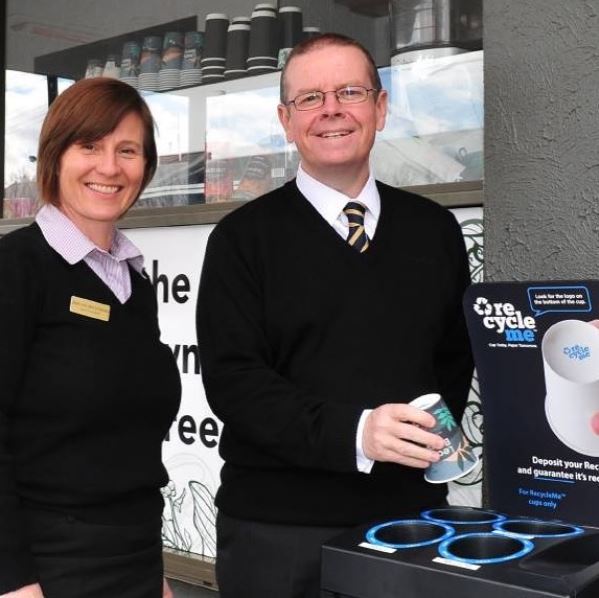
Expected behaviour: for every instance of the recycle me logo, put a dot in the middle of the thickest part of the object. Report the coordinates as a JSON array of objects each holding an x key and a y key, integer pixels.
[
  {"x": 506, "y": 320},
  {"x": 577, "y": 352}
]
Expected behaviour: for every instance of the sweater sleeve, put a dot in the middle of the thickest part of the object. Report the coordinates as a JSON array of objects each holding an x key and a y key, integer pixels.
[
  {"x": 453, "y": 358},
  {"x": 262, "y": 409},
  {"x": 17, "y": 316}
]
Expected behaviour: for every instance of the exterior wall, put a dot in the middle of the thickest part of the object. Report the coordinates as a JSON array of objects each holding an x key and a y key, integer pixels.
[{"x": 541, "y": 139}]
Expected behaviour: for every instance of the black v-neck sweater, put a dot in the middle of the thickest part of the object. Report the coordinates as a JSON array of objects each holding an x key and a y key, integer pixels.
[
  {"x": 299, "y": 333},
  {"x": 84, "y": 404}
]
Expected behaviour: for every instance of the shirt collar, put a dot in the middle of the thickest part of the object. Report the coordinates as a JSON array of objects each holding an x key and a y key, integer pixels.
[
  {"x": 68, "y": 241},
  {"x": 329, "y": 202}
]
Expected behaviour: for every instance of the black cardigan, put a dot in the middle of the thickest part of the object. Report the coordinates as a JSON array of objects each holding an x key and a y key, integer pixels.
[
  {"x": 84, "y": 404},
  {"x": 299, "y": 333}
]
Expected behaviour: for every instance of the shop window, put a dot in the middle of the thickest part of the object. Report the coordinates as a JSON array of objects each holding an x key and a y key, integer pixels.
[{"x": 218, "y": 136}]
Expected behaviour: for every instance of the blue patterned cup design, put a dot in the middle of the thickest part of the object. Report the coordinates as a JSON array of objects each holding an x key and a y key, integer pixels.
[{"x": 457, "y": 456}]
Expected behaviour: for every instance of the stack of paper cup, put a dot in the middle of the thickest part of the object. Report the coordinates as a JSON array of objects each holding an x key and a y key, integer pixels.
[
  {"x": 130, "y": 63},
  {"x": 238, "y": 40},
  {"x": 215, "y": 47},
  {"x": 93, "y": 69},
  {"x": 172, "y": 57},
  {"x": 264, "y": 40},
  {"x": 290, "y": 18},
  {"x": 149, "y": 65},
  {"x": 112, "y": 67},
  {"x": 191, "y": 73}
]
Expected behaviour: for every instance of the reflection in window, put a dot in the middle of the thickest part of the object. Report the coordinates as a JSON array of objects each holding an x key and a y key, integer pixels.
[
  {"x": 433, "y": 134},
  {"x": 434, "y": 130},
  {"x": 179, "y": 178},
  {"x": 26, "y": 103},
  {"x": 247, "y": 154}
]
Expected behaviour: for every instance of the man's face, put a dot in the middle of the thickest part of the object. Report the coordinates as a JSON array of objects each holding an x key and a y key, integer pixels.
[{"x": 335, "y": 136}]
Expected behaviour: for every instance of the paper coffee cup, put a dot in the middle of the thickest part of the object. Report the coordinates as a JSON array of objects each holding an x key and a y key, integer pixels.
[
  {"x": 570, "y": 351},
  {"x": 457, "y": 456}
]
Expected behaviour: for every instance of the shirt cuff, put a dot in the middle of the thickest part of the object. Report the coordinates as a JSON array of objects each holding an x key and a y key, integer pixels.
[{"x": 363, "y": 463}]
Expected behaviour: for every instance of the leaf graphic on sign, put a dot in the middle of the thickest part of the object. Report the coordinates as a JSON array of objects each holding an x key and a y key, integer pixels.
[{"x": 204, "y": 515}]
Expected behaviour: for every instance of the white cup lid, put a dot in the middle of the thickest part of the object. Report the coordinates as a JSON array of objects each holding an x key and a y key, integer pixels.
[{"x": 263, "y": 13}]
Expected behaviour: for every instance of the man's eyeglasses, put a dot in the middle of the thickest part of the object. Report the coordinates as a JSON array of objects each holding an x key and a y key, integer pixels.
[{"x": 351, "y": 94}]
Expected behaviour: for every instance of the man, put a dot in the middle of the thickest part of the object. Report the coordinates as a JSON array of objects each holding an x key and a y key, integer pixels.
[{"x": 312, "y": 346}]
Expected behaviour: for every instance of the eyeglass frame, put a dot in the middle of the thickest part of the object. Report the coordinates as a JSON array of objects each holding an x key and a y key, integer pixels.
[{"x": 336, "y": 92}]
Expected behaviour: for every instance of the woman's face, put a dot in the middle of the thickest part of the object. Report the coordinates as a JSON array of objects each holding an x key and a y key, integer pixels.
[{"x": 99, "y": 181}]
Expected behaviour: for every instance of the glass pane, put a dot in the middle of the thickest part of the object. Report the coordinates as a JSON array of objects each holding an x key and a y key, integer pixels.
[
  {"x": 247, "y": 154},
  {"x": 434, "y": 130},
  {"x": 26, "y": 106},
  {"x": 433, "y": 134},
  {"x": 179, "y": 176}
]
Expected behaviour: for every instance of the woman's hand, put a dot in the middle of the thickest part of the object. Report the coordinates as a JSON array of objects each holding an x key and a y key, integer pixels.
[
  {"x": 32, "y": 591},
  {"x": 166, "y": 591}
]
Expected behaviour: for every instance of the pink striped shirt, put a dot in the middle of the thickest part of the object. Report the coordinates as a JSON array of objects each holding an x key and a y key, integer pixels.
[{"x": 112, "y": 267}]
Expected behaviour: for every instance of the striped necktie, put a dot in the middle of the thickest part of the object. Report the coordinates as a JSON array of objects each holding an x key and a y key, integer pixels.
[{"x": 356, "y": 237}]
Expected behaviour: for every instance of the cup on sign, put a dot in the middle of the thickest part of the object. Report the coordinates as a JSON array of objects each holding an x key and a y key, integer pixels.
[
  {"x": 457, "y": 457},
  {"x": 570, "y": 350}
]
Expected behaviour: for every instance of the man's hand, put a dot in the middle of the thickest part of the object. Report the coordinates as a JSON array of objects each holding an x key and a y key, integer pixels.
[
  {"x": 32, "y": 591},
  {"x": 395, "y": 432},
  {"x": 166, "y": 590}
]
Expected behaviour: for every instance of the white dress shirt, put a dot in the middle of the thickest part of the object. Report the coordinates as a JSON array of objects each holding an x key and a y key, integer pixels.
[{"x": 329, "y": 203}]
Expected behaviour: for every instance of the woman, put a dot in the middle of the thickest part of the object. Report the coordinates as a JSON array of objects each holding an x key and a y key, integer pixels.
[{"x": 88, "y": 390}]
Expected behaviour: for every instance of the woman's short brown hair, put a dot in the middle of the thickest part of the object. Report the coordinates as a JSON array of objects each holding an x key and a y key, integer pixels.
[{"x": 85, "y": 112}]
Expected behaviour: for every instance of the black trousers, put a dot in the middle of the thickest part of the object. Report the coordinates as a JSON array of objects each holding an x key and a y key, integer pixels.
[
  {"x": 77, "y": 559},
  {"x": 263, "y": 560}
]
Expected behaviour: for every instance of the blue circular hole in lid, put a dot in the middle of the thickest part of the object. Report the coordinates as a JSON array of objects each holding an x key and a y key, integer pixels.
[
  {"x": 484, "y": 548},
  {"x": 537, "y": 528},
  {"x": 408, "y": 533},
  {"x": 462, "y": 515}
]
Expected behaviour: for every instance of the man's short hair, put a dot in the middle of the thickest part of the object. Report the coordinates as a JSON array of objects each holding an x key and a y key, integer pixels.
[{"x": 321, "y": 41}]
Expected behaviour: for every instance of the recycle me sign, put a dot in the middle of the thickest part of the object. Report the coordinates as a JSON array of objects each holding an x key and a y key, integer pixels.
[{"x": 506, "y": 319}]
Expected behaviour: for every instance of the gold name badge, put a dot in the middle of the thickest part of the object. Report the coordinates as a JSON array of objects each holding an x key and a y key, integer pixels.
[{"x": 89, "y": 308}]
